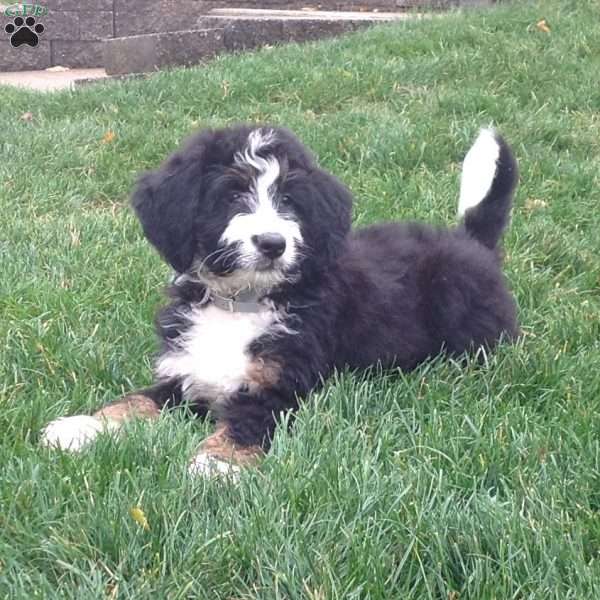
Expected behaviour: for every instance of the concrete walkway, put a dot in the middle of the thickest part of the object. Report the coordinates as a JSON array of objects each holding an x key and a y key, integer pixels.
[{"x": 51, "y": 79}]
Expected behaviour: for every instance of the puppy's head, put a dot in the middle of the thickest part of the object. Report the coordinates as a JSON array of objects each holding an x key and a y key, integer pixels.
[{"x": 244, "y": 207}]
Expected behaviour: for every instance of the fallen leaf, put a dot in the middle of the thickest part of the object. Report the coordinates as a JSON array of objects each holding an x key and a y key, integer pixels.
[
  {"x": 542, "y": 25},
  {"x": 109, "y": 137},
  {"x": 112, "y": 590},
  {"x": 535, "y": 204},
  {"x": 138, "y": 515}
]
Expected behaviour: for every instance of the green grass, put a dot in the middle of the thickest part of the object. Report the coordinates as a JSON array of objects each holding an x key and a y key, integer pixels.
[{"x": 451, "y": 482}]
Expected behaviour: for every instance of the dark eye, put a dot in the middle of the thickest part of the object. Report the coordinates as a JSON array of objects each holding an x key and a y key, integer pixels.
[
  {"x": 287, "y": 199},
  {"x": 234, "y": 196}
]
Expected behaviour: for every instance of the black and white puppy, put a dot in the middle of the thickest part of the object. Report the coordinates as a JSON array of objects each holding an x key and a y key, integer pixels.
[{"x": 272, "y": 291}]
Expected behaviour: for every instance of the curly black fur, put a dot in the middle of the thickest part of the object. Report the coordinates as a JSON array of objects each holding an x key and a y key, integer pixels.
[{"x": 393, "y": 294}]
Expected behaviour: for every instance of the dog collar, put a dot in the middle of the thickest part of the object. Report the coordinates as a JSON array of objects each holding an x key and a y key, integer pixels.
[{"x": 244, "y": 302}]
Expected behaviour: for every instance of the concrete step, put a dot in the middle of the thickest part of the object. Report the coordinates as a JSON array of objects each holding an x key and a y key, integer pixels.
[
  {"x": 227, "y": 30},
  {"x": 327, "y": 15},
  {"x": 151, "y": 51}
]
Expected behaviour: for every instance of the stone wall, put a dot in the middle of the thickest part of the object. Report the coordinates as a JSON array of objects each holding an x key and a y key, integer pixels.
[{"x": 74, "y": 29}]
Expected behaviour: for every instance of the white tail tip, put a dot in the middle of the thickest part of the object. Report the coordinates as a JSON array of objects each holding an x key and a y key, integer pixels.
[{"x": 479, "y": 170}]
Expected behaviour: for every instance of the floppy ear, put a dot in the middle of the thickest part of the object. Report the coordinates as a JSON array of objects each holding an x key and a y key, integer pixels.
[
  {"x": 166, "y": 203},
  {"x": 337, "y": 212}
]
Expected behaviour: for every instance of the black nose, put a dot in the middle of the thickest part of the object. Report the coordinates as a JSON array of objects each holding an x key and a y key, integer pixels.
[{"x": 272, "y": 245}]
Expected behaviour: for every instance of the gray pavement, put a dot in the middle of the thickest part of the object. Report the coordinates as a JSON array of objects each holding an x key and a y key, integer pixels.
[{"x": 50, "y": 79}]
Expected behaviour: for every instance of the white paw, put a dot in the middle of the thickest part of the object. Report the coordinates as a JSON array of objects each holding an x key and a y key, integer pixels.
[
  {"x": 71, "y": 433},
  {"x": 208, "y": 466}
]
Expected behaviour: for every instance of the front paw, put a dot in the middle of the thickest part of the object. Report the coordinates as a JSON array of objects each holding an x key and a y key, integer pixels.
[
  {"x": 72, "y": 433},
  {"x": 220, "y": 457}
]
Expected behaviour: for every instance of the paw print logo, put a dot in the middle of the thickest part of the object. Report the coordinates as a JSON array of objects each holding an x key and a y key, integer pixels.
[{"x": 24, "y": 31}]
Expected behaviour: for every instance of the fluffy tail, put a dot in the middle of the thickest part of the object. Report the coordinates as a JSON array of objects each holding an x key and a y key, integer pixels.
[{"x": 489, "y": 178}]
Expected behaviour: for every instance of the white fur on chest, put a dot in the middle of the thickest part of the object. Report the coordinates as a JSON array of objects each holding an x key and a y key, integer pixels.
[{"x": 211, "y": 357}]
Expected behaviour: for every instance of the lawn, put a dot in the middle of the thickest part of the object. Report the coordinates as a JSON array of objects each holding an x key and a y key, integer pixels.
[{"x": 451, "y": 482}]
